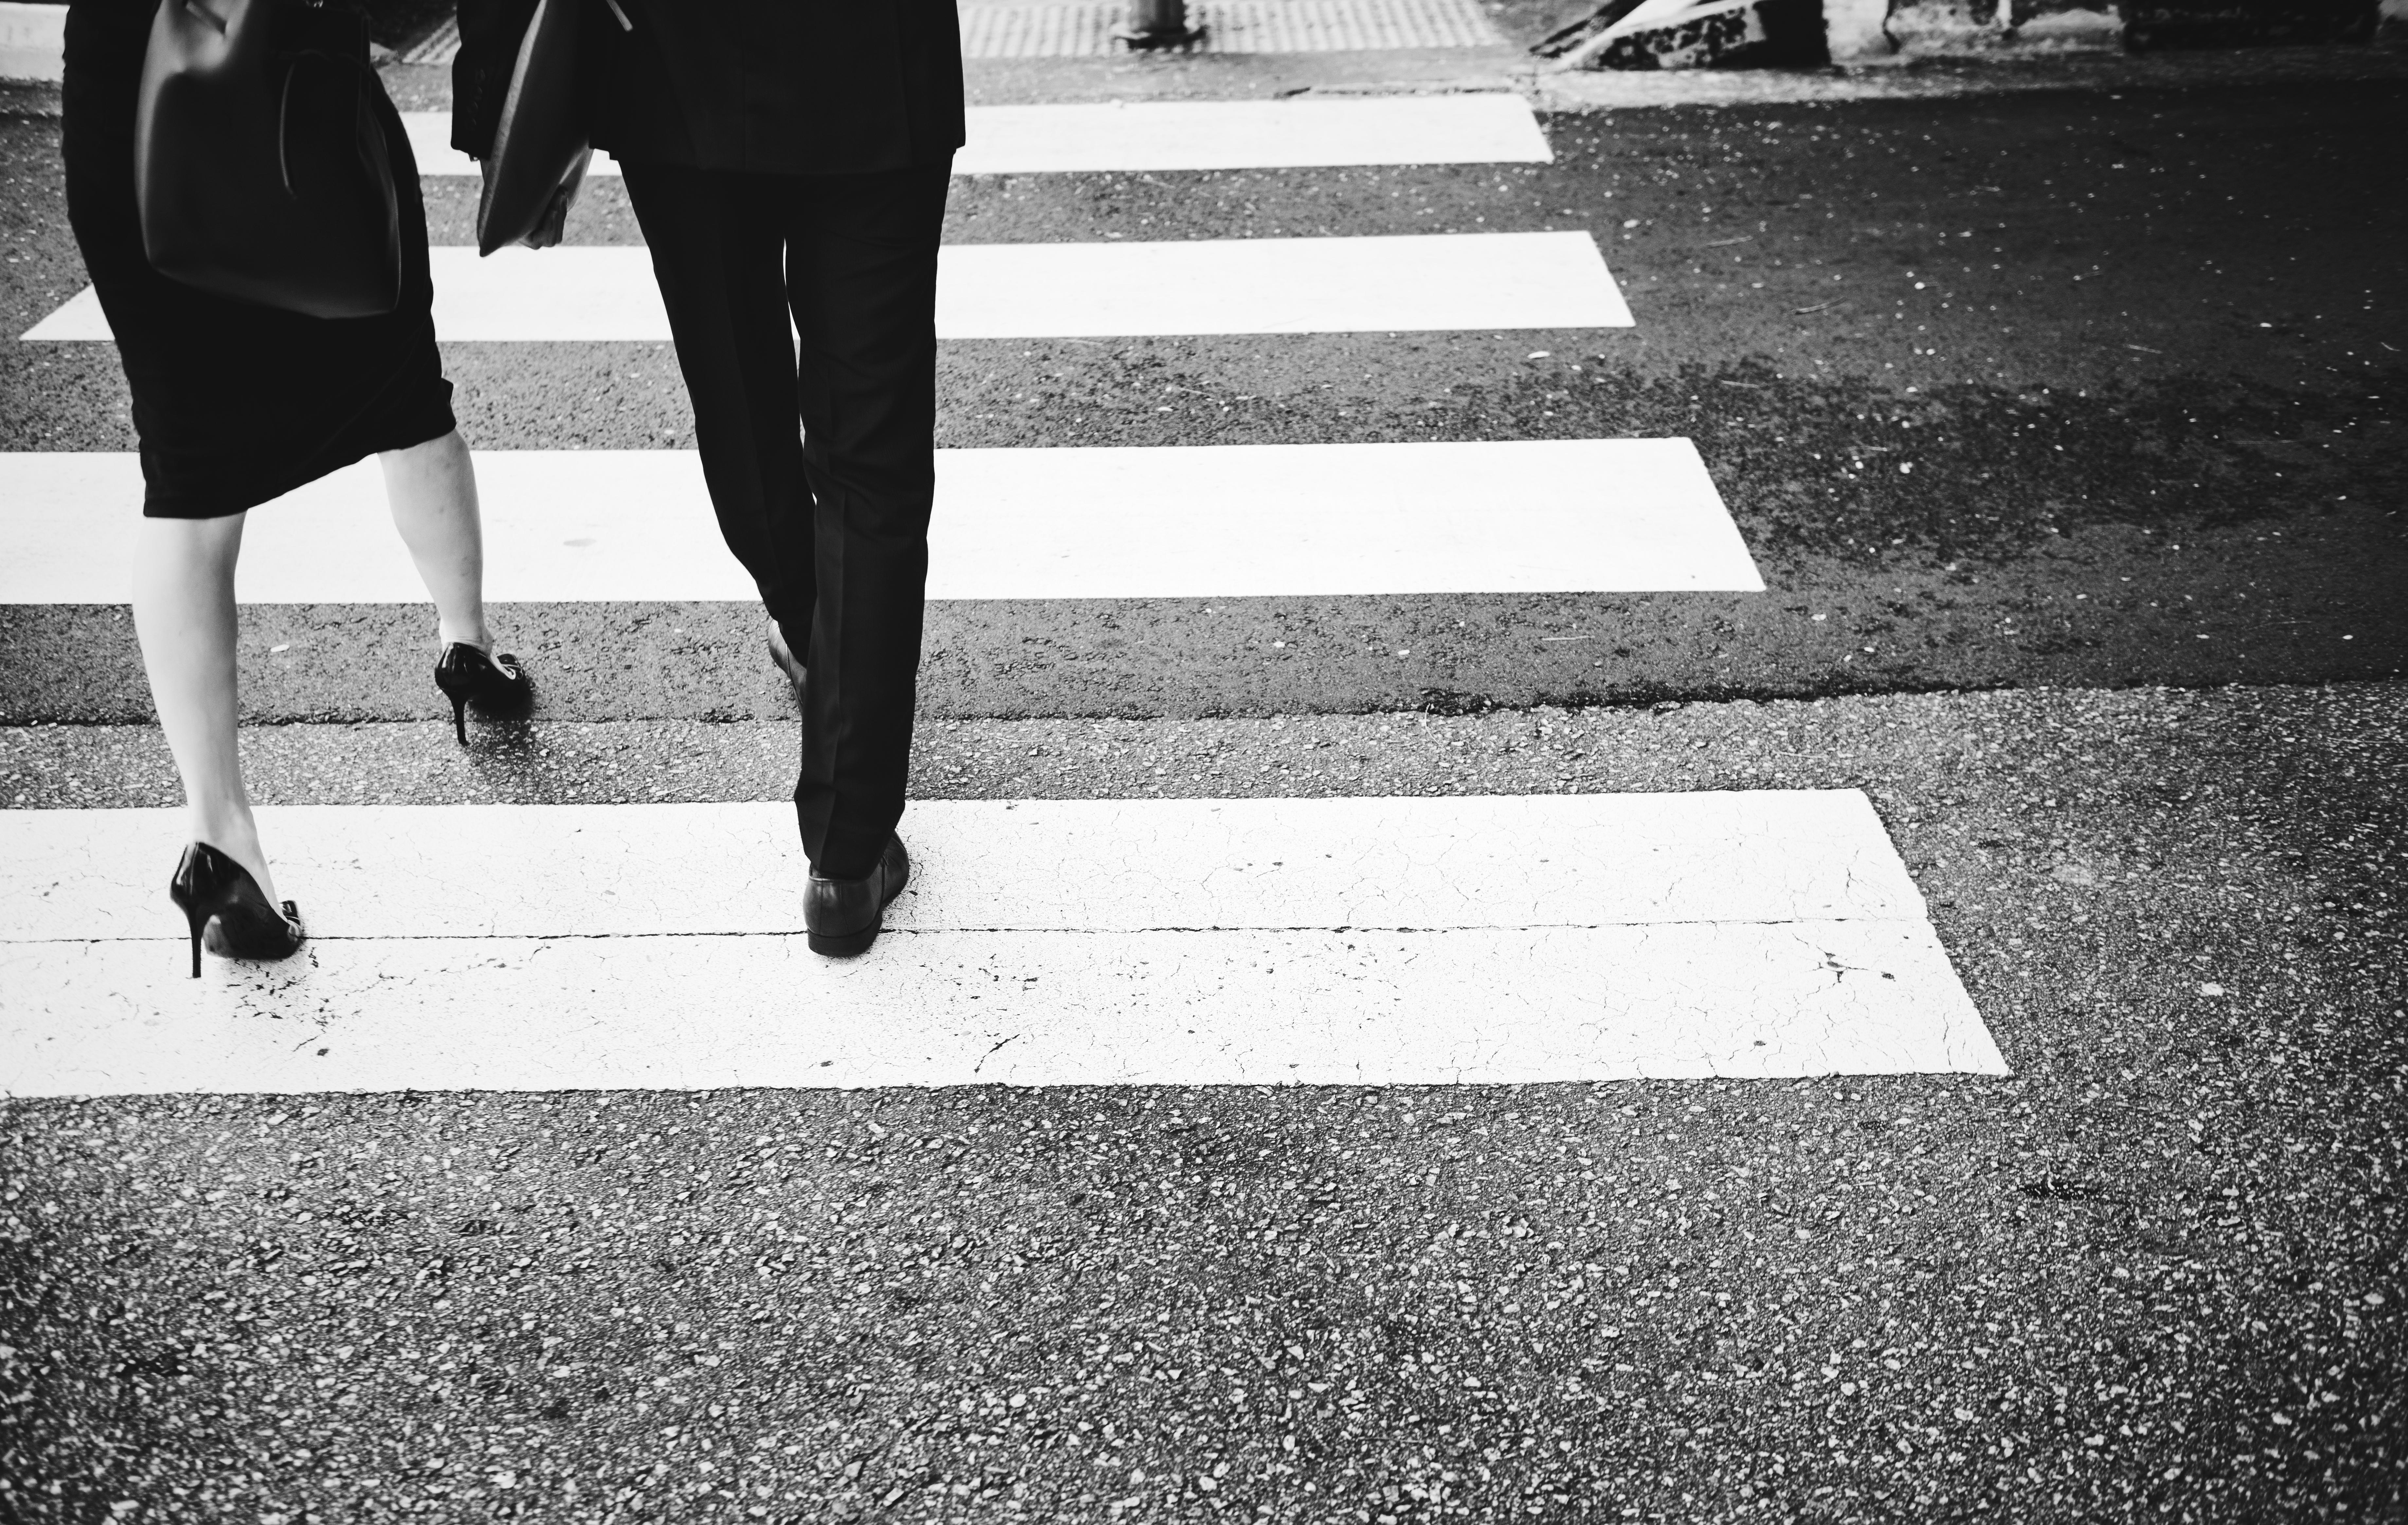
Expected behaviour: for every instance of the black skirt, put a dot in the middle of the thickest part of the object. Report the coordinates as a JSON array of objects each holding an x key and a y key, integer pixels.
[{"x": 235, "y": 403}]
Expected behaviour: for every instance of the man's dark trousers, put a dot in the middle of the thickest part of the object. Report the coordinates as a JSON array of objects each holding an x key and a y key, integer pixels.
[{"x": 832, "y": 519}]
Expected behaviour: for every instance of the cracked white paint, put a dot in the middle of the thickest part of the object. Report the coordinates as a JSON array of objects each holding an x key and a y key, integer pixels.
[
  {"x": 1217, "y": 520},
  {"x": 1385, "y": 283},
  {"x": 1149, "y": 136},
  {"x": 1047, "y": 942},
  {"x": 1486, "y": 1005},
  {"x": 1075, "y": 865}
]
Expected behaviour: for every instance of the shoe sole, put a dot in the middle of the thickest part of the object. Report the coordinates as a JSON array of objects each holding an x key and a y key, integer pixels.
[{"x": 848, "y": 945}]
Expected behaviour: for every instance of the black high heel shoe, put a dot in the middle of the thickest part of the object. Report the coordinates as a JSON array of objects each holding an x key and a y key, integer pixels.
[
  {"x": 497, "y": 685},
  {"x": 224, "y": 908}
]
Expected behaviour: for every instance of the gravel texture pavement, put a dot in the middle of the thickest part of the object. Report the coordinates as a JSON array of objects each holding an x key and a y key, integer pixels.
[
  {"x": 2066, "y": 424},
  {"x": 2157, "y": 1271}
]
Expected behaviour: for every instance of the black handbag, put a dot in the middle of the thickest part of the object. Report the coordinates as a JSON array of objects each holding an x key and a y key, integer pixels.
[
  {"x": 261, "y": 169},
  {"x": 542, "y": 146}
]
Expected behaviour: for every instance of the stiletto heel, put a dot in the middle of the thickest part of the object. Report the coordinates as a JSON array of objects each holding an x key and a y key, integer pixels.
[
  {"x": 497, "y": 685},
  {"x": 224, "y": 908}
]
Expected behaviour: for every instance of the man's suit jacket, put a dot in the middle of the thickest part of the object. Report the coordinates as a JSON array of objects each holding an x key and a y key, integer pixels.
[{"x": 792, "y": 87}]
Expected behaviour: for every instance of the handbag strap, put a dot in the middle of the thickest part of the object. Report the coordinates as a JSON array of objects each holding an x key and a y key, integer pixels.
[{"x": 284, "y": 106}]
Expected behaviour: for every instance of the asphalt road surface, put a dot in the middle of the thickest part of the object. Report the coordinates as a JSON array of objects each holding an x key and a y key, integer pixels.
[{"x": 2068, "y": 431}]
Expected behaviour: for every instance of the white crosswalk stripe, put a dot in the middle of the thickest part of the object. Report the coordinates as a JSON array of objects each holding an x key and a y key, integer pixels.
[
  {"x": 1398, "y": 283},
  {"x": 1461, "y": 939},
  {"x": 1169, "y": 942},
  {"x": 1485, "y": 127},
  {"x": 1227, "y": 521}
]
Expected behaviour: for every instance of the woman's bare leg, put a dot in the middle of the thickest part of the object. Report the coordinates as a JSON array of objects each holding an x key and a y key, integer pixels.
[
  {"x": 184, "y": 610},
  {"x": 433, "y": 490}
]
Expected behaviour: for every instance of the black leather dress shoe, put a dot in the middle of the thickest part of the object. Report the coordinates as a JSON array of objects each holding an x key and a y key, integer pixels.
[{"x": 844, "y": 917}]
